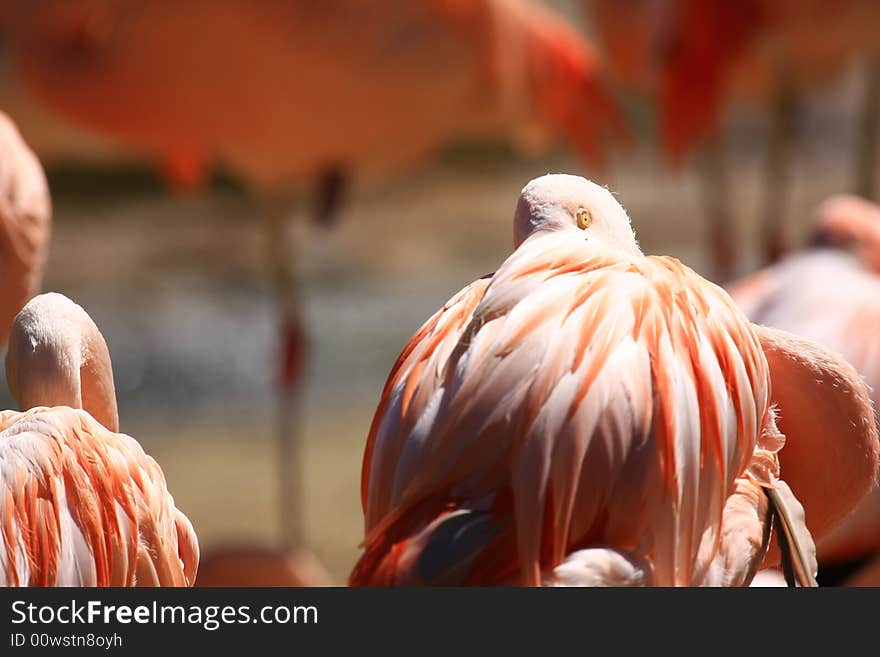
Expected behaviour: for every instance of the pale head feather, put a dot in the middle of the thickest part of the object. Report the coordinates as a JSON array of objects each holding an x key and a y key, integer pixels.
[
  {"x": 555, "y": 202},
  {"x": 58, "y": 357},
  {"x": 845, "y": 217}
]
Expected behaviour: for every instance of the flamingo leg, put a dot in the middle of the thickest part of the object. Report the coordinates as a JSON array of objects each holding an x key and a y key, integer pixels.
[
  {"x": 292, "y": 337},
  {"x": 331, "y": 188},
  {"x": 869, "y": 133},
  {"x": 781, "y": 140},
  {"x": 795, "y": 542},
  {"x": 715, "y": 186}
]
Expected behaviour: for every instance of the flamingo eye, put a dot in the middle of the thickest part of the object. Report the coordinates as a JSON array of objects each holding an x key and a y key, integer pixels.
[{"x": 584, "y": 218}]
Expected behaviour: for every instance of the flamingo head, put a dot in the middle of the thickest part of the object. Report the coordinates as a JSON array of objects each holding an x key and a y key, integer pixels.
[
  {"x": 565, "y": 202},
  {"x": 845, "y": 220},
  {"x": 58, "y": 357}
]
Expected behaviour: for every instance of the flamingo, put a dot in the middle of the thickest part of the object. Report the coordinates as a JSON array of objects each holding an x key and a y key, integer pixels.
[
  {"x": 80, "y": 504},
  {"x": 285, "y": 93},
  {"x": 695, "y": 56},
  {"x": 589, "y": 415},
  {"x": 25, "y": 223},
  {"x": 830, "y": 293}
]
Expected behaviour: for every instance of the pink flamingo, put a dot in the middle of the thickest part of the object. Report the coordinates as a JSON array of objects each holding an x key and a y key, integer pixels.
[
  {"x": 830, "y": 293},
  {"x": 80, "y": 505},
  {"x": 589, "y": 415}
]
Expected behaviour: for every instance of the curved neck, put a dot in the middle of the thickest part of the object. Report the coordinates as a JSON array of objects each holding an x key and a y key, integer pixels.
[{"x": 57, "y": 357}]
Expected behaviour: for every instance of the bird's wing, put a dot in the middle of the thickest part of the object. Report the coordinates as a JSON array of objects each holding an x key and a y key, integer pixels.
[
  {"x": 830, "y": 457},
  {"x": 562, "y": 74},
  {"x": 745, "y": 537},
  {"x": 627, "y": 34},
  {"x": 705, "y": 39},
  {"x": 82, "y": 506},
  {"x": 545, "y": 73},
  {"x": 412, "y": 384},
  {"x": 613, "y": 399}
]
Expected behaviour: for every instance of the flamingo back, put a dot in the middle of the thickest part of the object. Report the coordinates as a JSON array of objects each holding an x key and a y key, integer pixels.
[
  {"x": 83, "y": 506},
  {"x": 577, "y": 398}
]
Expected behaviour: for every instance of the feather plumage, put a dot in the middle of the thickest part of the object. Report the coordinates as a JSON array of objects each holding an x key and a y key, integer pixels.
[
  {"x": 83, "y": 506},
  {"x": 585, "y": 397}
]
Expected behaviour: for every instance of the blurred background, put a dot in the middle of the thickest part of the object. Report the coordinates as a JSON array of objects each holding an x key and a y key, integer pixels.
[{"x": 175, "y": 276}]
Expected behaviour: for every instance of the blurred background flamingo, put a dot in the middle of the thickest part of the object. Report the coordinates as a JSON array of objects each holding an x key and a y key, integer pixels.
[
  {"x": 285, "y": 94},
  {"x": 698, "y": 58},
  {"x": 830, "y": 292}
]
